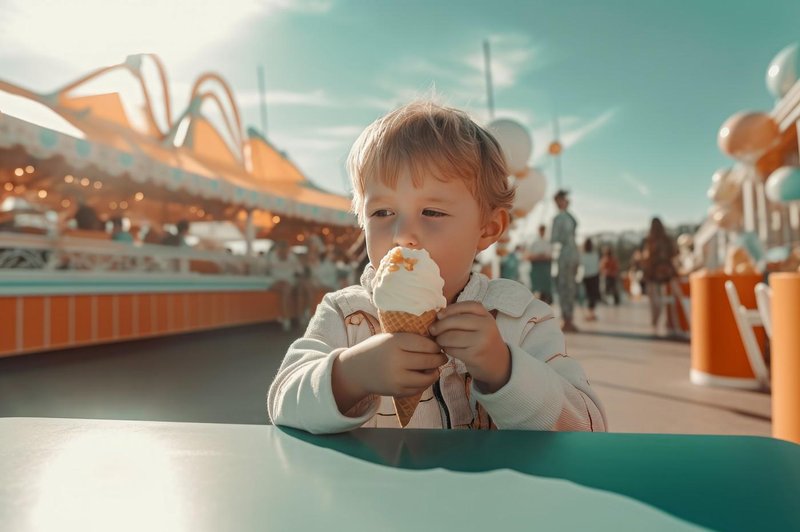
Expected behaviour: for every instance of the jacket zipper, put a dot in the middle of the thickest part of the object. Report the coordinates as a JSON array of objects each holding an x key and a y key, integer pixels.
[{"x": 445, "y": 413}]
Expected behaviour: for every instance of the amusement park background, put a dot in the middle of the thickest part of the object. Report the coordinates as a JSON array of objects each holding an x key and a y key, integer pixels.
[{"x": 237, "y": 118}]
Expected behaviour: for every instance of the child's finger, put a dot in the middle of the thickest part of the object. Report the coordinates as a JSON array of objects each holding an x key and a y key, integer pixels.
[
  {"x": 420, "y": 362},
  {"x": 457, "y": 322},
  {"x": 464, "y": 307},
  {"x": 415, "y": 343},
  {"x": 452, "y": 339},
  {"x": 418, "y": 380}
]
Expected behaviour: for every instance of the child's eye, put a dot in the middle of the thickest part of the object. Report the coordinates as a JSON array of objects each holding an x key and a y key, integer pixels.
[
  {"x": 432, "y": 213},
  {"x": 381, "y": 213}
]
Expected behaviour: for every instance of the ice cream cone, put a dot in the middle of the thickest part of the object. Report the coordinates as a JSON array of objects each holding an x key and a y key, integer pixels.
[{"x": 406, "y": 322}]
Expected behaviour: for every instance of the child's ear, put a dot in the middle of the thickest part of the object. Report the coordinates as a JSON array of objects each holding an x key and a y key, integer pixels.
[{"x": 494, "y": 228}]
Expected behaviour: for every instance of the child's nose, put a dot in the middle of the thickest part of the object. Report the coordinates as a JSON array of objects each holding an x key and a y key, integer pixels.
[{"x": 405, "y": 234}]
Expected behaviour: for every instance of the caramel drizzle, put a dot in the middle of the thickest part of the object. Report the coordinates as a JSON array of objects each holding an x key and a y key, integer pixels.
[{"x": 396, "y": 260}]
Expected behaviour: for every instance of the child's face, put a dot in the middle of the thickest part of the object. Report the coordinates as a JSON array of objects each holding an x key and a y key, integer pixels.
[{"x": 442, "y": 217}]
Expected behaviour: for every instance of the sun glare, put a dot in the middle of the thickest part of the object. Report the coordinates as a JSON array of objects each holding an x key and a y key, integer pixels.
[
  {"x": 110, "y": 481},
  {"x": 94, "y": 33}
]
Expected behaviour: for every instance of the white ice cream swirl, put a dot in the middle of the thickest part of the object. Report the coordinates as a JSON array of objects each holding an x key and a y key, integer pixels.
[{"x": 408, "y": 280}]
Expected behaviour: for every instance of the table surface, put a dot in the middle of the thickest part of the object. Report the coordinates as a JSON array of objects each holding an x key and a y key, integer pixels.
[{"x": 64, "y": 474}]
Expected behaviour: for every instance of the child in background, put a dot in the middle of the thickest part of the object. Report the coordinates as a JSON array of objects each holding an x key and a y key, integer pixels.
[{"x": 427, "y": 177}]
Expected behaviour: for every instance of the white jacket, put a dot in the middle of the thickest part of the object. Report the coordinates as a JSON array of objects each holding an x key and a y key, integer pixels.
[{"x": 547, "y": 389}]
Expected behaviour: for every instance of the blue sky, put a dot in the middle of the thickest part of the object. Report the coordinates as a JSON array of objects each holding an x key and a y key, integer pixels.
[{"x": 640, "y": 87}]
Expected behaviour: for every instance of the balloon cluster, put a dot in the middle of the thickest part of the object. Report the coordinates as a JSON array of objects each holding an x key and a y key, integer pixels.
[
  {"x": 747, "y": 137},
  {"x": 783, "y": 185},
  {"x": 530, "y": 183}
]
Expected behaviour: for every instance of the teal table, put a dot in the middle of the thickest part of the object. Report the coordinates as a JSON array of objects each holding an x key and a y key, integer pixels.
[{"x": 65, "y": 474}]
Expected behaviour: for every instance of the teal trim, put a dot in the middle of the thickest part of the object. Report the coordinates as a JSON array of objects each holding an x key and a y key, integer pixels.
[
  {"x": 53, "y": 284},
  {"x": 126, "y": 159},
  {"x": 48, "y": 138},
  {"x": 83, "y": 148}
]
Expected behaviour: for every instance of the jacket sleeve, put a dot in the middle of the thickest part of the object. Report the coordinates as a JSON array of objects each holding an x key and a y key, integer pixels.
[
  {"x": 301, "y": 395},
  {"x": 547, "y": 390}
]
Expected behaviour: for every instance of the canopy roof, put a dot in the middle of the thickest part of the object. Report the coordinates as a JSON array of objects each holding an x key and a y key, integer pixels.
[{"x": 187, "y": 161}]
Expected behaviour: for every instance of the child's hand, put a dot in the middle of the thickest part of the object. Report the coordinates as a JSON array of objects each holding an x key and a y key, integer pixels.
[
  {"x": 468, "y": 332},
  {"x": 398, "y": 365}
]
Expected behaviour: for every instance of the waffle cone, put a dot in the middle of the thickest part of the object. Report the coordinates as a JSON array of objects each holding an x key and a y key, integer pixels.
[{"x": 393, "y": 321}]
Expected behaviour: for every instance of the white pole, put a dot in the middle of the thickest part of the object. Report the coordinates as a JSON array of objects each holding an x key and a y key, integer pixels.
[
  {"x": 249, "y": 234},
  {"x": 762, "y": 214},
  {"x": 488, "y": 70},
  {"x": 262, "y": 98},
  {"x": 794, "y": 221},
  {"x": 749, "y": 207}
]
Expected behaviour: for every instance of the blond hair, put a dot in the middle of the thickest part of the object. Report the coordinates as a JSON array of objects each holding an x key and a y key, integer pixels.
[{"x": 427, "y": 138}]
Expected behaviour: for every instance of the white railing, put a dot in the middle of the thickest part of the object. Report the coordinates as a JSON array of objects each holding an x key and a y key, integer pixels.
[{"x": 41, "y": 252}]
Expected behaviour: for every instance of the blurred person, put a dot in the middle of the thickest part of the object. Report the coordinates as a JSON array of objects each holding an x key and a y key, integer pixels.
[
  {"x": 509, "y": 264},
  {"x": 590, "y": 262},
  {"x": 284, "y": 268},
  {"x": 540, "y": 255},
  {"x": 635, "y": 275},
  {"x": 609, "y": 270},
  {"x": 563, "y": 234},
  {"x": 658, "y": 266},
  {"x": 86, "y": 218},
  {"x": 118, "y": 232},
  {"x": 178, "y": 238},
  {"x": 324, "y": 272}
]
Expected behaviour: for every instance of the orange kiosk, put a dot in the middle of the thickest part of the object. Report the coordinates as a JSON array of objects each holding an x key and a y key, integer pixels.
[{"x": 718, "y": 354}]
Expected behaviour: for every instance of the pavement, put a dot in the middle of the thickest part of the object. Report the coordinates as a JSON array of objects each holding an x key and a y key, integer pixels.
[{"x": 222, "y": 376}]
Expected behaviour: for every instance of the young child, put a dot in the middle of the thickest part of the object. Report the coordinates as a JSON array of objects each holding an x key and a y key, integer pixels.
[{"x": 426, "y": 176}]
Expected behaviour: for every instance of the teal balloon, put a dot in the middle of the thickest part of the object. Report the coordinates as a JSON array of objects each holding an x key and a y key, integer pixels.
[
  {"x": 783, "y": 185},
  {"x": 783, "y": 71}
]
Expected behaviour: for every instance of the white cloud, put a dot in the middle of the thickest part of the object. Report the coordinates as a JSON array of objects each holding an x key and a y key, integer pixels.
[
  {"x": 572, "y": 130},
  {"x": 572, "y": 136},
  {"x": 315, "y": 98},
  {"x": 637, "y": 184},
  {"x": 104, "y": 32},
  {"x": 510, "y": 56},
  {"x": 307, "y": 148},
  {"x": 344, "y": 132}
]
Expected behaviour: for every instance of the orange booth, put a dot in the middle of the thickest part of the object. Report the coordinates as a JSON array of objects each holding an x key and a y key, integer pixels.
[{"x": 718, "y": 353}]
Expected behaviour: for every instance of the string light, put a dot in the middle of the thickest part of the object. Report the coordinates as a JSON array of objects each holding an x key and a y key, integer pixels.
[
  {"x": 65, "y": 203},
  {"x": 85, "y": 182},
  {"x": 42, "y": 194},
  {"x": 18, "y": 172},
  {"x": 98, "y": 185},
  {"x": 113, "y": 205},
  {"x": 9, "y": 186},
  {"x": 123, "y": 204},
  {"x": 276, "y": 219},
  {"x": 139, "y": 196},
  {"x": 68, "y": 178},
  {"x": 29, "y": 169}
]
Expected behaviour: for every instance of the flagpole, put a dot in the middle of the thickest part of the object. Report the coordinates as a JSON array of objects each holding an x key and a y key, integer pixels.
[
  {"x": 487, "y": 61},
  {"x": 262, "y": 97}
]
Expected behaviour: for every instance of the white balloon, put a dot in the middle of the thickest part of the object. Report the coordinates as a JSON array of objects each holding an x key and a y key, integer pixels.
[
  {"x": 725, "y": 186},
  {"x": 782, "y": 72},
  {"x": 515, "y": 141},
  {"x": 530, "y": 189}
]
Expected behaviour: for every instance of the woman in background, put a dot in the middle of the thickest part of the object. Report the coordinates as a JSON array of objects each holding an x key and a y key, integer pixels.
[
  {"x": 590, "y": 261},
  {"x": 658, "y": 265}
]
